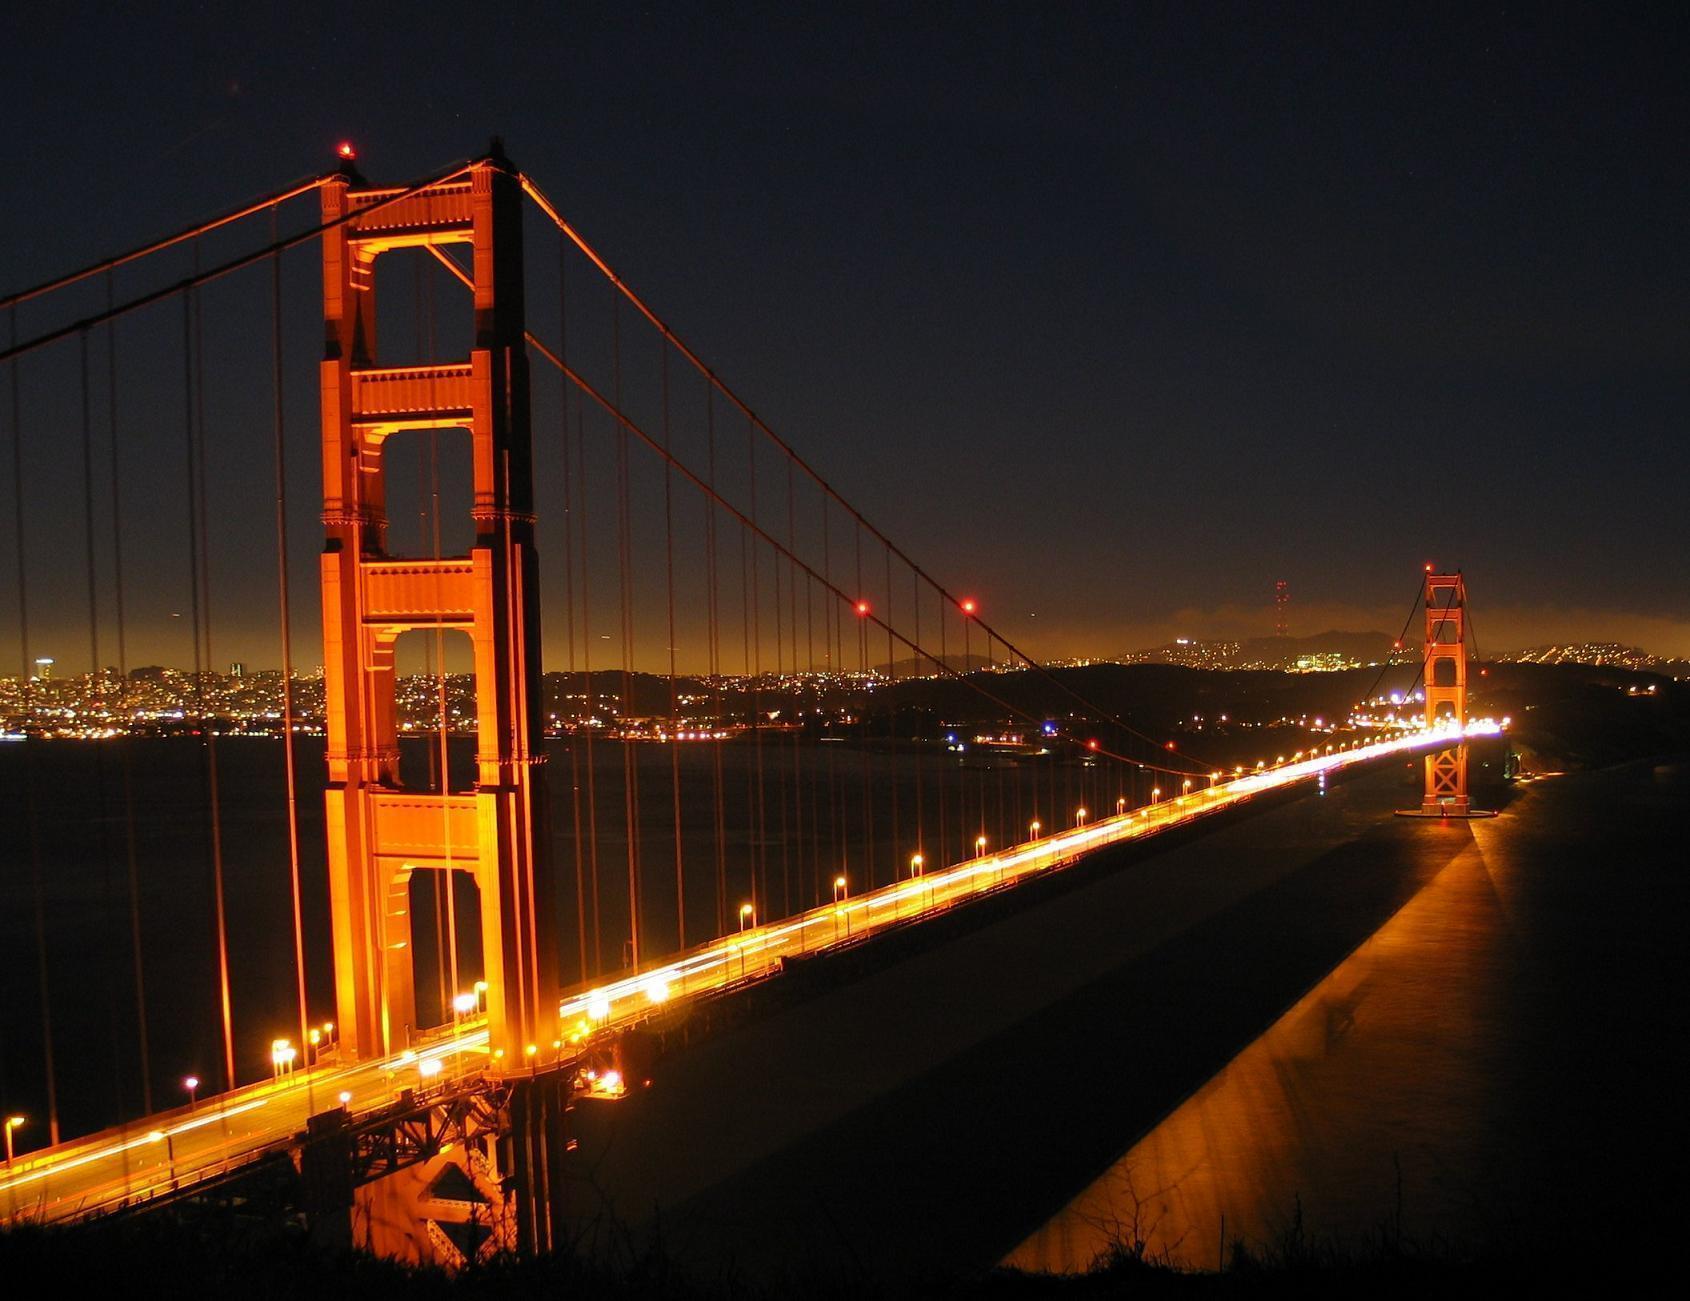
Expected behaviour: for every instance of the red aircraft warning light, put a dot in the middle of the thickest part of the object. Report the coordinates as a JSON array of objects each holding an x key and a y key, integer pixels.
[
  {"x": 862, "y": 607},
  {"x": 1092, "y": 744},
  {"x": 968, "y": 605},
  {"x": 345, "y": 150}
]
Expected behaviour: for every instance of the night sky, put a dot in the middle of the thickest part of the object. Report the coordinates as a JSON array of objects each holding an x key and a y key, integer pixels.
[{"x": 1111, "y": 315}]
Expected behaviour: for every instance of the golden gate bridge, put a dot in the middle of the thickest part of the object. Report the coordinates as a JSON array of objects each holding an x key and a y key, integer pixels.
[{"x": 758, "y": 621}]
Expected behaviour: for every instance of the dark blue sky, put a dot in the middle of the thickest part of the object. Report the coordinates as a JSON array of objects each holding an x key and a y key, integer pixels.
[{"x": 1114, "y": 315}]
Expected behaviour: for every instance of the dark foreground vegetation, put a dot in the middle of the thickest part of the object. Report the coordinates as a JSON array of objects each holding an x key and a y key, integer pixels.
[{"x": 224, "y": 1255}]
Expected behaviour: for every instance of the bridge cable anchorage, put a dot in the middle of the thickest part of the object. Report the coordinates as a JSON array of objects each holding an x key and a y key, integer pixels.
[
  {"x": 200, "y": 278},
  {"x": 550, "y": 210}
]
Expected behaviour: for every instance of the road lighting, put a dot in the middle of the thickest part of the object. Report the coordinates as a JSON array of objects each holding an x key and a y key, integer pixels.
[
  {"x": 1120, "y": 806},
  {"x": 12, "y": 1122},
  {"x": 747, "y": 917},
  {"x": 1155, "y": 794},
  {"x": 1187, "y": 788},
  {"x": 464, "y": 1005},
  {"x": 163, "y": 1136},
  {"x": 1034, "y": 827},
  {"x": 840, "y": 889},
  {"x": 191, "y": 1083},
  {"x": 916, "y": 860},
  {"x": 1080, "y": 816}
]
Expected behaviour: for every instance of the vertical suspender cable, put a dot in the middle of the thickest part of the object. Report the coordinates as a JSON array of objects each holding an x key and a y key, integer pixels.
[
  {"x": 669, "y": 587},
  {"x": 714, "y": 631},
  {"x": 589, "y": 691},
  {"x": 624, "y": 562},
  {"x": 284, "y": 612},
  {"x": 30, "y": 809},
  {"x": 198, "y": 562},
  {"x": 125, "y": 742},
  {"x": 99, "y": 697},
  {"x": 565, "y": 387}
]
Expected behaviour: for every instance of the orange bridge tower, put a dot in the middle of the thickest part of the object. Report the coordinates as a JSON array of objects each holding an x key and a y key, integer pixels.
[
  {"x": 380, "y": 833},
  {"x": 1445, "y": 675},
  {"x": 1444, "y": 672}
]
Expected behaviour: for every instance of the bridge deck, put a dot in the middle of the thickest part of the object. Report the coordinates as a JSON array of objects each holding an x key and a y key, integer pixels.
[{"x": 165, "y": 1152}]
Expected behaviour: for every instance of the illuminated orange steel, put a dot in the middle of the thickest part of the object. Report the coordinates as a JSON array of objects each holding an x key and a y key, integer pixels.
[
  {"x": 378, "y": 832},
  {"x": 1445, "y": 676}
]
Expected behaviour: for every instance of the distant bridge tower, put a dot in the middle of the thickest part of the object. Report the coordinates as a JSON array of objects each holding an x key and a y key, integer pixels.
[
  {"x": 1281, "y": 604},
  {"x": 1445, "y": 675},
  {"x": 379, "y": 833},
  {"x": 1444, "y": 672}
]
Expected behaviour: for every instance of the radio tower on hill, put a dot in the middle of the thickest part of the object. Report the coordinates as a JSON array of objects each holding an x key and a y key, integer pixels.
[{"x": 1281, "y": 599}]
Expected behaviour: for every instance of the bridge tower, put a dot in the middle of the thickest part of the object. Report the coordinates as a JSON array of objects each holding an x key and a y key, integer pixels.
[
  {"x": 379, "y": 833},
  {"x": 1445, "y": 676}
]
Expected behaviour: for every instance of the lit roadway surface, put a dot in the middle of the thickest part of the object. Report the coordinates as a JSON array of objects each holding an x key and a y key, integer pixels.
[{"x": 177, "y": 1148}]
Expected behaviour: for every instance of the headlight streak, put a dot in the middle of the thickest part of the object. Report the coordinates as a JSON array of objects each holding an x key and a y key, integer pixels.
[{"x": 747, "y": 954}]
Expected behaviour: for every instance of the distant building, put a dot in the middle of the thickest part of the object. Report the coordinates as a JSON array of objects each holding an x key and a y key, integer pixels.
[
  {"x": 237, "y": 669},
  {"x": 44, "y": 669}
]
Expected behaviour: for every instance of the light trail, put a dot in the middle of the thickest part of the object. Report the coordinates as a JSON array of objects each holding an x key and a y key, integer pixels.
[
  {"x": 758, "y": 950},
  {"x": 190, "y": 1144}
]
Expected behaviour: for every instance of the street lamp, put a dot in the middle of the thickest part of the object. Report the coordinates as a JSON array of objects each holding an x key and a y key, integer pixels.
[
  {"x": 916, "y": 860},
  {"x": 163, "y": 1136},
  {"x": 1155, "y": 793},
  {"x": 1034, "y": 827},
  {"x": 464, "y": 1005},
  {"x": 840, "y": 889},
  {"x": 1187, "y": 789},
  {"x": 191, "y": 1083},
  {"x": 1080, "y": 817},
  {"x": 12, "y": 1122},
  {"x": 747, "y": 916},
  {"x": 1120, "y": 806}
]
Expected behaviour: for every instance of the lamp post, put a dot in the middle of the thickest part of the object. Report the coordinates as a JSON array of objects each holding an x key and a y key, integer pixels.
[
  {"x": 163, "y": 1136},
  {"x": 1080, "y": 816},
  {"x": 12, "y": 1122},
  {"x": 747, "y": 916},
  {"x": 191, "y": 1083},
  {"x": 841, "y": 892}
]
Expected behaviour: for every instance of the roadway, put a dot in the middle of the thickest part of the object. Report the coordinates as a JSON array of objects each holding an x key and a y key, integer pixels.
[{"x": 170, "y": 1150}]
